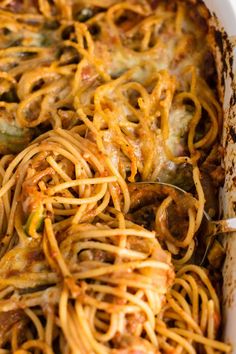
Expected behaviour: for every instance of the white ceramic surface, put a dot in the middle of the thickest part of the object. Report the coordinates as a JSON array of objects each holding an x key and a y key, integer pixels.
[
  {"x": 226, "y": 13},
  {"x": 225, "y": 10}
]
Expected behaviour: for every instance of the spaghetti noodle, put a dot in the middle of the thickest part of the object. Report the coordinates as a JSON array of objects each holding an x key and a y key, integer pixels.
[{"x": 96, "y": 96}]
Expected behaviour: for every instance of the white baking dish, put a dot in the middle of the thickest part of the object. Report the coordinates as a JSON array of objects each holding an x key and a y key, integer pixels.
[{"x": 225, "y": 11}]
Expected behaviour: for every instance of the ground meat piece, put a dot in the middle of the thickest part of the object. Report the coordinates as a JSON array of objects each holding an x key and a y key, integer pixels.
[
  {"x": 7, "y": 321},
  {"x": 133, "y": 345}
]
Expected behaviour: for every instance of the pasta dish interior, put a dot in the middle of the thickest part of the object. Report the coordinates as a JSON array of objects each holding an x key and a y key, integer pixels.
[{"x": 96, "y": 97}]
